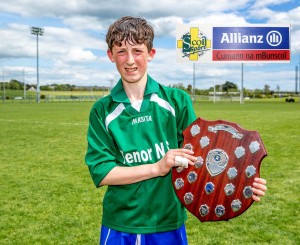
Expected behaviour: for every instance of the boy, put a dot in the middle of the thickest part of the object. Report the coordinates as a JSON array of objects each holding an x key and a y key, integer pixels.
[{"x": 134, "y": 140}]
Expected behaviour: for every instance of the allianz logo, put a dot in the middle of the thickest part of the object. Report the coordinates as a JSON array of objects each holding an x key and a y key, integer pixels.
[{"x": 274, "y": 38}]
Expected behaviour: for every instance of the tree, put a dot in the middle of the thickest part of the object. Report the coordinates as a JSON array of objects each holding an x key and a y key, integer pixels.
[
  {"x": 229, "y": 86},
  {"x": 15, "y": 85},
  {"x": 267, "y": 89},
  {"x": 218, "y": 87}
]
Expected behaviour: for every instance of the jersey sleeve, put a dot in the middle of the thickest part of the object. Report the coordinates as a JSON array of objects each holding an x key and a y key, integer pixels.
[
  {"x": 101, "y": 151},
  {"x": 185, "y": 114}
]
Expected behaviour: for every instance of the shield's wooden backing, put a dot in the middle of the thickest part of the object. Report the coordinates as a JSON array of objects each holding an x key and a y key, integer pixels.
[{"x": 218, "y": 187}]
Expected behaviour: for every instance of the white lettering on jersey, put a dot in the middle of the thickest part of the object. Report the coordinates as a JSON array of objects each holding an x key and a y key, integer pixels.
[
  {"x": 160, "y": 150},
  {"x": 146, "y": 155},
  {"x": 141, "y": 119}
]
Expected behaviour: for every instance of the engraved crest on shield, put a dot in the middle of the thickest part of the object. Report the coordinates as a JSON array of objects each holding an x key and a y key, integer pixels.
[{"x": 216, "y": 161}]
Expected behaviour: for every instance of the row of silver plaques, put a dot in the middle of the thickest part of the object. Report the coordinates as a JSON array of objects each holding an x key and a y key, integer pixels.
[{"x": 231, "y": 173}]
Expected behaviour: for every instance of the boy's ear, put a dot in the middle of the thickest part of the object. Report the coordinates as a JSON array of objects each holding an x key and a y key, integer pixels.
[
  {"x": 110, "y": 55},
  {"x": 151, "y": 54}
]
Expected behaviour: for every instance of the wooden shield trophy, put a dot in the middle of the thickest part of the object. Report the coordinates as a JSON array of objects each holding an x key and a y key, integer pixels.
[{"x": 218, "y": 186}]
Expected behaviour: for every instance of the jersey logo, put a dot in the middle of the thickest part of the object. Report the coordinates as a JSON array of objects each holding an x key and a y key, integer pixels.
[{"x": 141, "y": 119}]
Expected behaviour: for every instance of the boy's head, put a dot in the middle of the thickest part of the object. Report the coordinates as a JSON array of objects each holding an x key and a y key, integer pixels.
[{"x": 133, "y": 30}]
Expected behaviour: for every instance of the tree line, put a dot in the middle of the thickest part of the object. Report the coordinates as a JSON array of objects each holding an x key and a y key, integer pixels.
[
  {"x": 225, "y": 87},
  {"x": 14, "y": 84}
]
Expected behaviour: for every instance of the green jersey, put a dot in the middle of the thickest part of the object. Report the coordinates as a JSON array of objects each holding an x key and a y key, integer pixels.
[{"x": 125, "y": 134}]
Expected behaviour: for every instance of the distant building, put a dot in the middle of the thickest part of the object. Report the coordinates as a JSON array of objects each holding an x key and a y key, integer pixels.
[{"x": 32, "y": 89}]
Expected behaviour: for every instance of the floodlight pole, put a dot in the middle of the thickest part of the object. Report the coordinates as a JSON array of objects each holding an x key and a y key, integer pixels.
[
  {"x": 24, "y": 84},
  {"x": 4, "y": 95},
  {"x": 296, "y": 80},
  {"x": 299, "y": 79},
  {"x": 38, "y": 32},
  {"x": 194, "y": 82},
  {"x": 242, "y": 86}
]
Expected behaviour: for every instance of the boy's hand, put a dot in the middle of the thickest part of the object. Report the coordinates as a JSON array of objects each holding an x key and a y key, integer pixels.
[
  {"x": 175, "y": 158},
  {"x": 259, "y": 188}
]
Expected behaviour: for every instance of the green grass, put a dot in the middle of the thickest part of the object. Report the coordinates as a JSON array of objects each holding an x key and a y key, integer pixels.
[{"x": 47, "y": 196}]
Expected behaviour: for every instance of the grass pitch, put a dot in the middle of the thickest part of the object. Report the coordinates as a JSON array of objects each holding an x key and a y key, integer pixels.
[{"x": 47, "y": 195}]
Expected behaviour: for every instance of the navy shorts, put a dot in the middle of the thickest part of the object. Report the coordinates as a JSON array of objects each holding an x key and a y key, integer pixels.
[{"x": 113, "y": 237}]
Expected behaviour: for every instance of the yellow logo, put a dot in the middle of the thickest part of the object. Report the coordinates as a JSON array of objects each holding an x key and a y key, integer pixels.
[{"x": 194, "y": 44}]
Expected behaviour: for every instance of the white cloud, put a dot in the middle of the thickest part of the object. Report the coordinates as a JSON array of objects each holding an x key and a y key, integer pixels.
[
  {"x": 165, "y": 25},
  {"x": 102, "y": 9},
  {"x": 266, "y": 3},
  {"x": 79, "y": 55},
  {"x": 84, "y": 23},
  {"x": 219, "y": 19},
  {"x": 13, "y": 41}
]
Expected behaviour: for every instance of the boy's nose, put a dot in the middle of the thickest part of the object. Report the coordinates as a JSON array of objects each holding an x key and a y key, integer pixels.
[{"x": 130, "y": 59}]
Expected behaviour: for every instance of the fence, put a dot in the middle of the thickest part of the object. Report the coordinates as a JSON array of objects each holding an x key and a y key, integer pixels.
[
  {"x": 51, "y": 99},
  {"x": 87, "y": 98}
]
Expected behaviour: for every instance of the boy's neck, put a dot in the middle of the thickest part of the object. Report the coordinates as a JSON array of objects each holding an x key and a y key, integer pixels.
[{"x": 135, "y": 91}]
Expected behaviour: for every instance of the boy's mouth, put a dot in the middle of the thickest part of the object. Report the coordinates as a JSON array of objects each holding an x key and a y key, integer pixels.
[{"x": 130, "y": 69}]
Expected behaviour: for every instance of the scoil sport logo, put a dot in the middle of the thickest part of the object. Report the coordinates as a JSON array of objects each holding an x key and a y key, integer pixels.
[{"x": 193, "y": 44}]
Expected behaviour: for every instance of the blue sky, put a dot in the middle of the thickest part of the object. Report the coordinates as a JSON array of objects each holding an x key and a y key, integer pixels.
[{"x": 73, "y": 48}]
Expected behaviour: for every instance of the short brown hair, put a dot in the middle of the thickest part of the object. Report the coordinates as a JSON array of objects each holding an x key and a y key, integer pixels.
[{"x": 134, "y": 30}]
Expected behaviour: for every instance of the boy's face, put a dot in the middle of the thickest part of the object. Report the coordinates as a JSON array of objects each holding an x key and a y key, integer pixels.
[{"x": 131, "y": 61}]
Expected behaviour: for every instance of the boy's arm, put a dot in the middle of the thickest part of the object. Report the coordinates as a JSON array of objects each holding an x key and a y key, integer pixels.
[{"x": 129, "y": 175}]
